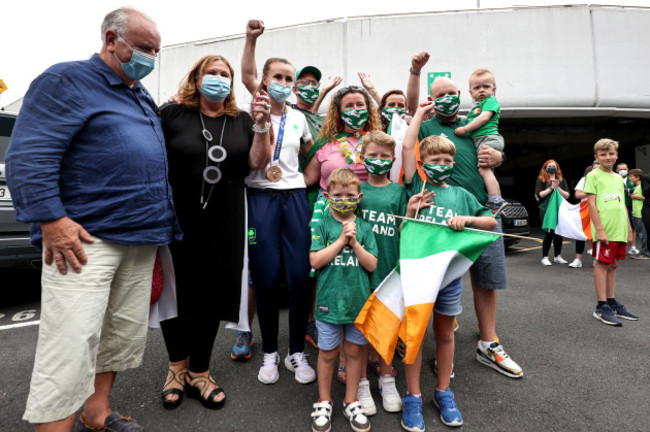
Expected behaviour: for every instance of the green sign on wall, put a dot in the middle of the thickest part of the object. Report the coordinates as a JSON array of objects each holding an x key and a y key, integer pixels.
[{"x": 432, "y": 76}]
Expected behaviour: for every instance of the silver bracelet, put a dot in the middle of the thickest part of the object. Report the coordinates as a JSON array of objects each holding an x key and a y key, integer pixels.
[
  {"x": 413, "y": 71},
  {"x": 256, "y": 129}
]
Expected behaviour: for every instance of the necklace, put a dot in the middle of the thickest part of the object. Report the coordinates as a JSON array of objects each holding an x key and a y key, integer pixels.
[
  {"x": 351, "y": 155},
  {"x": 216, "y": 153}
]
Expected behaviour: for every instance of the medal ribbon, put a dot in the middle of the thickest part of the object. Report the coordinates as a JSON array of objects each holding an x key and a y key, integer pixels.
[{"x": 278, "y": 142}]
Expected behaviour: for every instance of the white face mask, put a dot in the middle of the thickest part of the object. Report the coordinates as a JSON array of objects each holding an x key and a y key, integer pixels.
[{"x": 623, "y": 173}]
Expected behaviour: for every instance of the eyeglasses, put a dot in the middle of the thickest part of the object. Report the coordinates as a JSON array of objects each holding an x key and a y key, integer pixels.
[{"x": 306, "y": 81}]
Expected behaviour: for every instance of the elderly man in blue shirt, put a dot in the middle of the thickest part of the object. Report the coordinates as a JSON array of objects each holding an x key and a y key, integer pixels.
[{"x": 87, "y": 167}]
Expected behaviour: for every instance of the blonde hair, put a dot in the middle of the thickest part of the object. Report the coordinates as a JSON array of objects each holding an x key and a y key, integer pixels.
[
  {"x": 343, "y": 177},
  {"x": 380, "y": 138},
  {"x": 189, "y": 94},
  {"x": 435, "y": 144},
  {"x": 605, "y": 144},
  {"x": 482, "y": 71},
  {"x": 333, "y": 124}
]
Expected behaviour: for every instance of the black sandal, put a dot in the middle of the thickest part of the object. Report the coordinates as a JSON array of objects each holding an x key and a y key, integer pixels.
[
  {"x": 195, "y": 393},
  {"x": 179, "y": 377}
]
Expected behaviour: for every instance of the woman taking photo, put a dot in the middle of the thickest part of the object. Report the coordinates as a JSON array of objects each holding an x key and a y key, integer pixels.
[
  {"x": 549, "y": 179},
  {"x": 211, "y": 147}
]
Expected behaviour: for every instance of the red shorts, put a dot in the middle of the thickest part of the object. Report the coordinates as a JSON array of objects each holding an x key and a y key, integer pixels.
[{"x": 610, "y": 252}]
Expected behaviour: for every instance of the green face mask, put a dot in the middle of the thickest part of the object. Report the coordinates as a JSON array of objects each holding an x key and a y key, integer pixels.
[
  {"x": 355, "y": 118},
  {"x": 343, "y": 205},
  {"x": 447, "y": 105},
  {"x": 376, "y": 166},
  {"x": 387, "y": 113},
  {"x": 438, "y": 173},
  {"x": 308, "y": 93}
]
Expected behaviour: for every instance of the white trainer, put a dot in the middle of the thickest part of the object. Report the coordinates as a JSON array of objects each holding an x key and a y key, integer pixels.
[
  {"x": 297, "y": 363},
  {"x": 576, "y": 263},
  {"x": 269, "y": 373},
  {"x": 633, "y": 251},
  {"x": 558, "y": 259},
  {"x": 546, "y": 261},
  {"x": 358, "y": 420},
  {"x": 365, "y": 397},
  {"x": 390, "y": 397}
]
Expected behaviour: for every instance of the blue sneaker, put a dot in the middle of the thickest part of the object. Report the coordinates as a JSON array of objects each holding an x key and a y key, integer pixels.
[
  {"x": 446, "y": 403},
  {"x": 621, "y": 312},
  {"x": 412, "y": 419},
  {"x": 241, "y": 350},
  {"x": 311, "y": 335},
  {"x": 606, "y": 315}
]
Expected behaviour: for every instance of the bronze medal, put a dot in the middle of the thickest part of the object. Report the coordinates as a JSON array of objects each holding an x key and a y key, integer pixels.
[{"x": 274, "y": 173}]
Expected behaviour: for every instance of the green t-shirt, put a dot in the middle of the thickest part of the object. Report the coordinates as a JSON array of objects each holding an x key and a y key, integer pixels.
[
  {"x": 449, "y": 202},
  {"x": 492, "y": 125},
  {"x": 465, "y": 172},
  {"x": 375, "y": 206},
  {"x": 610, "y": 202},
  {"x": 343, "y": 285},
  {"x": 637, "y": 204}
]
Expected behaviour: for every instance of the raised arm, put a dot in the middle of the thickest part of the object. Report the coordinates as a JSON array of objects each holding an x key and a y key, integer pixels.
[
  {"x": 369, "y": 85},
  {"x": 325, "y": 89},
  {"x": 413, "y": 87},
  {"x": 254, "y": 29},
  {"x": 409, "y": 163}
]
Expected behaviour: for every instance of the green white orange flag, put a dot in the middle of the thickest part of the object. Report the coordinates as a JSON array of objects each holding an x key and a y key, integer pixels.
[
  {"x": 431, "y": 256},
  {"x": 568, "y": 220}
]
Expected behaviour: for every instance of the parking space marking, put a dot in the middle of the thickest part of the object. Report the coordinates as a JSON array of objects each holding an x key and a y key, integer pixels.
[{"x": 22, "y": 324}]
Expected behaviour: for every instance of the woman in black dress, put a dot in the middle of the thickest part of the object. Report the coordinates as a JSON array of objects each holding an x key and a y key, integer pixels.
[{"x": 211, "y": 146}]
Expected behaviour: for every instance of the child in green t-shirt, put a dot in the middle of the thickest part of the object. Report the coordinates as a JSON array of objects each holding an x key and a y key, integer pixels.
[
  {"x": 344, "y": 249},
  {"x": 634, "y": 176},
  {"x": 483, "y": 127},
  {"x": 457, "y": 208},
  {"x": 381, "y": 199},
  {"x": 610, "y": 227}
]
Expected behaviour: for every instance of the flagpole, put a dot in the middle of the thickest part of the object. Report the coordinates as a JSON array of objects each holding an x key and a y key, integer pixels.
[
  {"x": 424, "y": 184},
  {"x": 469, "y": 229}
]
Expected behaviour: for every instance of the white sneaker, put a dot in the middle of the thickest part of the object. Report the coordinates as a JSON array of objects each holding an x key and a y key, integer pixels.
[
  {"x": 546, "y": 261},
  {"x": 320, "y": 417},
  {"x": 365, "y": 398},
  {"x": 558, "y": 259},
  {"x": 390, "y": 397},
  {"x": 633, "y": 251},
  {"x": 269, "y": 371},
  {"x": 576, "y": 263},
  {"x": 589, "y": 251},
  {"x": 358, "y": 420},
  {"x": 297, "y": 363}
]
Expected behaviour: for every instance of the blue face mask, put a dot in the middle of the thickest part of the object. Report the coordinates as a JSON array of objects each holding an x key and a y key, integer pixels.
[
  {"x": 140, "y": 65},
  {"x": 279, "y": 92},
  {"x": 215, "y": 88}
]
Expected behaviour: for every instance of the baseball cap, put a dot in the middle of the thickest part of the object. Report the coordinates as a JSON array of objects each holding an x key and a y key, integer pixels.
[{"x": 312, "y": 69}]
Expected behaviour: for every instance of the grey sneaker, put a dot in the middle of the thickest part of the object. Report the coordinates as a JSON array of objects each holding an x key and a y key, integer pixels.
[
  {"x": 606, "y": 315},
  {"x": 320, "y": 417},
  {"x": 358, "y": 420},
  {"x": 621, "y": 312}
]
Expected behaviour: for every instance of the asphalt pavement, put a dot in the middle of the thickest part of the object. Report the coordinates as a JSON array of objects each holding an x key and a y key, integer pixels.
[{"x": 579, "y": 374}]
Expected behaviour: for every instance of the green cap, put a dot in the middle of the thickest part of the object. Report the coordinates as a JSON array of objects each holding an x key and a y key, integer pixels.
[{"x": 312, "y": 69}]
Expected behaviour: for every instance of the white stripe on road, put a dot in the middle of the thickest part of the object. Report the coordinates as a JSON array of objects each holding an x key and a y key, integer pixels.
[{"x": 18, "y": 325}]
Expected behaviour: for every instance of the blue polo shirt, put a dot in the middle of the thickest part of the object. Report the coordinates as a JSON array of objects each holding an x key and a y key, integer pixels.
[{"x": 87, "y": 146}]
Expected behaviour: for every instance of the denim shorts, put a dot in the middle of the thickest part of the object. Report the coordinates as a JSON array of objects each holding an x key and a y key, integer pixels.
[
  {"x": 489, "y": 270},
  {"x": 329, "y": 335},
  {"x": 448, "y": 301}
]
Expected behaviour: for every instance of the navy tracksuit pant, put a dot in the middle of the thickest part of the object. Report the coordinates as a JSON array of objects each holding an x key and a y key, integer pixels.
[{"x": 278, "y": 232}]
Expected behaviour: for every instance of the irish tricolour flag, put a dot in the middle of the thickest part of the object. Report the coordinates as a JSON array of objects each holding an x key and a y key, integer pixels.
[
  {"x": 431, "y": 256},
  {"x": 568, "y": 220}
]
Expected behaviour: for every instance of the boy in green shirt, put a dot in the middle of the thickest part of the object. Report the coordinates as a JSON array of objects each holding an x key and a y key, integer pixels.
[
  {"x": 634, "y": 176},
  {"x": 344, "y": 249},
  {"x": 381, "y": 199},
  {"x": 457, "y": 208},
  {"x": 610, "y": 227},
  {"x": 483, "y": 122}
]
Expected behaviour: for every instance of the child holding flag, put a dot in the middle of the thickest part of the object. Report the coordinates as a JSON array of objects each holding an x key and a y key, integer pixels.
[
  {"x": 381, "y": 199},
  {"x": 457, "y": 208},
  {"x": 344, "y": 249}
]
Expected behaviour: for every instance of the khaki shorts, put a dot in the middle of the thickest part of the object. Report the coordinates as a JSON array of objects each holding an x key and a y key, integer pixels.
[{"x": 91, "y": 322}]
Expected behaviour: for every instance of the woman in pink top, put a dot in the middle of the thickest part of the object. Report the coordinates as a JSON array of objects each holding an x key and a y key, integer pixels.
[{"x": 351, "y": 114}]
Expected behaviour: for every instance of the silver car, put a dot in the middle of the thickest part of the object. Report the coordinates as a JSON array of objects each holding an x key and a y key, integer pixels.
[{"x": 16, "y": 250}]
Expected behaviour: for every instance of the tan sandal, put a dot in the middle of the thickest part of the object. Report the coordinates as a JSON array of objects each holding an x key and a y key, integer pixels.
[
  {"x": 179, "y": 377},
  {"x": 194, "y": 392}
]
